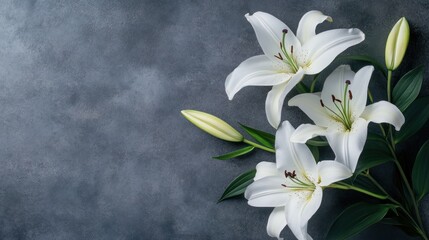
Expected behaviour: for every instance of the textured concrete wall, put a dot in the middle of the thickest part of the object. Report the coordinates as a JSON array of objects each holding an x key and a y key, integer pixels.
[{"x": 93, "y": 145}]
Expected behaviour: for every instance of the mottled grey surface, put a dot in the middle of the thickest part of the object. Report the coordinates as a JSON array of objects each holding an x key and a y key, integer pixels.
[{"x": 93, "y": 145}]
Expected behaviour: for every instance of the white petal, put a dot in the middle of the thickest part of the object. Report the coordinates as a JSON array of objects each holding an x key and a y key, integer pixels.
[
  {"x": 276, "y": 222},
  {"x": 265, "y": 169},
  {"x": 293, "y": 156},
  {"x": 384, "y": 112},
  {"x": 267, "y": 192},
  {"x": 332, "y": 171},
  {"x": 276, "y": 97},
  {"x": 254, "y": 71},
  {"x": 269, "y": 31},
  {"x": 310, "y": 104},
  {"x": 359, "y": 90},
  {"x": 300, "y": 209},
  {"x": 307, "y": 25},
  {"x": 335, "y": 84},
  {"x": 307, "y": 131},
  {"x": 348, "y": 145},
  {"x": 323, "y": 48}
]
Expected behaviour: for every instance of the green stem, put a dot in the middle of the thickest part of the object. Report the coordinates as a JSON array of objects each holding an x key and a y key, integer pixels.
[
  {"x": 259, "y": 146},
  {"x": 414, "y": 224},
  {"x": 389, "y": 85},
  {"x": 345, "y": 186},
  {"x": 313, "y": 83},
  {"x": 408, "y": 186}
]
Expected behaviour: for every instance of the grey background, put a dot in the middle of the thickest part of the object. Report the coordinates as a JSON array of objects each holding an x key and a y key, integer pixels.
[{"x": 93, "y": 145}]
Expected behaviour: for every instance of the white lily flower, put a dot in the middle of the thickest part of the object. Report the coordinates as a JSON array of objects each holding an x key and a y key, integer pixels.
[
  {"x": 293, "y": 185},
  {"x": 340, "y": 113},
  {"x": 288, "y": 57}
]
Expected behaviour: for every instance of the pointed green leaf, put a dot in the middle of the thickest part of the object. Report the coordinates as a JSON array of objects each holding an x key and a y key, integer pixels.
[
  {"x": 266, "y": 139},
  {"x": 416, "y": 116},
  {"x": 315, "y": 151},
  {"x": 375, "y": 152},
  {"x": 317, "y": 142},
  {"x": 408, "y": 88},
  {"x": 366, "y": 59},
  {"x": 421, "y": 172},
  {"x": 235, "y": 153},
  {"x": 238, "y": 185},
  {"x": 357, "y": 218}
]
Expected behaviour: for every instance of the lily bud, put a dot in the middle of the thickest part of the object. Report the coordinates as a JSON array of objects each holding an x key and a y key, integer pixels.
[
  {"x": 213, "y": 125},
  {"x": 397, "y": 43}
]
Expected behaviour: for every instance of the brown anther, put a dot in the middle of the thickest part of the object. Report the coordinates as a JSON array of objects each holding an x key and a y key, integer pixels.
[
  {"x": 348, "y": 82},
  {"x": 338, "y": 100},
  {"x": 284, "y": 31},
  {"x": 291, "y": 49},
  {"x": 293, "y": 175},
  {"x": 279, "y": 57},
  {"x": 284, "y": 185},
  {"x": 281, "y": 45},
  {"x": 350, "y": 95},
  {"x": 333, "y": 98},
  {"x": 286, "y": 174},
  {"x": 321, "y": 103}
]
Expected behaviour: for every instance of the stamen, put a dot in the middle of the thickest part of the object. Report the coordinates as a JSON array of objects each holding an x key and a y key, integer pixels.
[
  {"x": 333, "y": 98},
  {"x": 281, "y": 45},
  {"x": 321, "y": 103},
  {"x": 279, "y": 56},
  {"x": 291, "y": 50},
  {"x": 350, "y": 95},
  {"x": 284, "y": 185},
  {"x": 338, "y": 100}
]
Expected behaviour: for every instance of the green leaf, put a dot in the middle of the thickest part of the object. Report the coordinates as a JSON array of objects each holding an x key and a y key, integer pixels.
[
  {"x": 421, "y": 172},
  {"x": 266, "y": 139},
  {"x": 367, "y": 59},
  {"x": 366, "y": 184},
  {"x": 315, "y": 151},
  {"x": 238, "y": 185},
  {"x": 416, "y": 116},
  {"x": 408, "y": 88},
  {"x": 235, "y": 153},
  {"x": 375, "y": 152},
  {"x": 317, "y": 142},
  {"x": 357, "y": 218}
]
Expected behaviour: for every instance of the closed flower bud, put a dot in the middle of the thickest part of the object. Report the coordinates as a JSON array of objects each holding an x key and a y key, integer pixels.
[
  {"x": 213, "y": 125},
  {"x": 397, "y": 43}
]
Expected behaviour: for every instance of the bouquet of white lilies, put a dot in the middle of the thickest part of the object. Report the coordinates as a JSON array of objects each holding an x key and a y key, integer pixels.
[{"x": 293, "y": 184}]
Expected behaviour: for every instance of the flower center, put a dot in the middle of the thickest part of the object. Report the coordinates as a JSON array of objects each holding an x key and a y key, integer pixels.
[
  {"x": 342, "y": 112},
  {"x": 288, "y": 58},
  {"x": 296, "y": 183}
]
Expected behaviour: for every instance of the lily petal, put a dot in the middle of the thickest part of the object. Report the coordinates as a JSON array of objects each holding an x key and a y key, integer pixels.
[
  {"x": 269, "y": 32},
  {"x": 276, "y": 222},
  {"x": 311, "y": 105},
  {"x": 307, "y": 25},
  {"x": 255, "y": 71},
  {"x": 276, "y": 97},
  {"x": 265, "y": 169},
  {"x": 307, "y": 131},
  {"x": 293, "y": 156},
  {"x": 326, "y": 46},
  {"x": 348, "y": 145},
  {"x": 332, "y": 171},
  {"x": 384, "y": 112},
  {"x": 335, "y": 85},
  {"x": 359, "y": 89},
  {"x": 300, "y": 209},
  {"x": 267, "y": 192}
]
